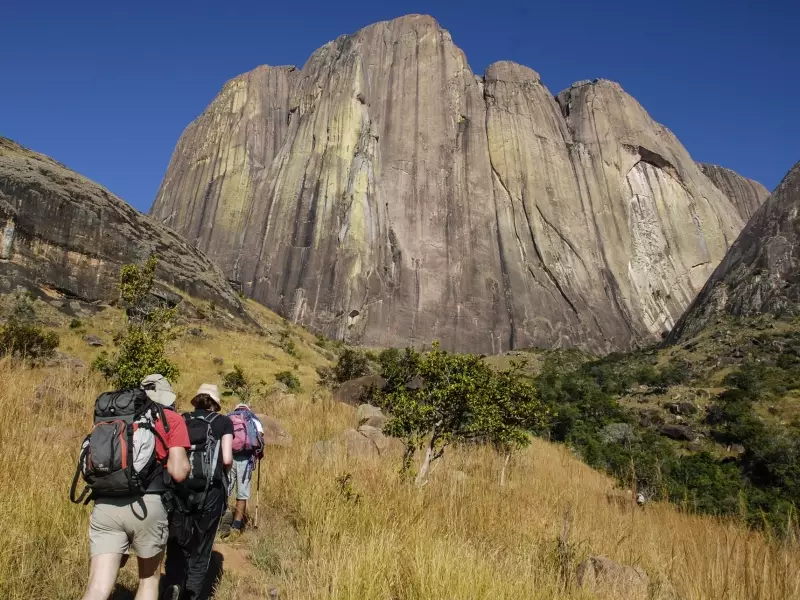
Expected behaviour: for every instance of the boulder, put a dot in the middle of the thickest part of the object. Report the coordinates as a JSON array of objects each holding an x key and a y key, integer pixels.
[
  {"x": 279, "y": 386},
  {"x": 93, "y": 340},
  {"x": 366, "y": 414},
  {"x": 357, "y": 444},
  {"x": 274, "y": 433},
  {"x": 684, "y": 409},
  {"x": 606, "y": 577},
  {"x": 650, "y": 416},
  {"x": 351, "y": 392},
  {"x": 681, "y": 433}
]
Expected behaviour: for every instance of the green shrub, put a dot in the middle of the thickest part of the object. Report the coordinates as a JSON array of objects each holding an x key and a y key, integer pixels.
[
  {"x": 237, "y": 383},
  {"x": 26, "y": 340},
  {"x": 289, "y": 379},
  {"x": 351, "y": 364},
  {"x": 461, "y": 400},
  {"x": 21, "y": 337},
  {"x": 75, "y": 324},
  {"x": 141, "y": 347}
]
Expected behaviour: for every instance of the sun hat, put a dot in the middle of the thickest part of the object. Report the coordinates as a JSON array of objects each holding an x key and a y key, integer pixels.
[
  {"x": 210, "y": 390},
  {"x": 158, "y": 389},
  {"x": 242, "y": 405}
]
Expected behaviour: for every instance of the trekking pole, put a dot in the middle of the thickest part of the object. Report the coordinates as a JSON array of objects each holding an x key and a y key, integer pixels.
[{"x": 258, "y": 487}]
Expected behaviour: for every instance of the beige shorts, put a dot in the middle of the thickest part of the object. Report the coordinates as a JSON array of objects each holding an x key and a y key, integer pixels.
[{"x": 118, "y": 525}]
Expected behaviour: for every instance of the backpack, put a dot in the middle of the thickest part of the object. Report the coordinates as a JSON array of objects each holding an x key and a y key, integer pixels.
[
  {"x": 118, "y": 458},
  {"x": 204, "y": 454},
  {"x": 246, "y": 437}
]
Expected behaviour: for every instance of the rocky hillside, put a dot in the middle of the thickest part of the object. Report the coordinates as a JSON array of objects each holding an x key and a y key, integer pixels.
[
  {"x": 759, "y": 273},
  {"x": 69, "y": 236},
  {"x": 384, "y": 194},
  {"x": 747, "y": 195}
]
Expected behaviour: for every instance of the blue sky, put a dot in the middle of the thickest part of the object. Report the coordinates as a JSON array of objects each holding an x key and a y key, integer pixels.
[{"x": 107, "y": 87}]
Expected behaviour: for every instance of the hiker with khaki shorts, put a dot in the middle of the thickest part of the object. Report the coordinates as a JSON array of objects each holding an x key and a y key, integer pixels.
[{"x": 129, "y": 511}]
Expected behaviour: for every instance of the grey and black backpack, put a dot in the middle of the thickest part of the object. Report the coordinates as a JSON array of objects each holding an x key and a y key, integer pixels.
[
  {"x": 118, "y": 458},
  {"x": 204, "y": 455}
]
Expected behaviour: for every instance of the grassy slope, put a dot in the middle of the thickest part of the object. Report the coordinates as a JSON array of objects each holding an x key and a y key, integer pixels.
[{"x": 454, "y": 539}]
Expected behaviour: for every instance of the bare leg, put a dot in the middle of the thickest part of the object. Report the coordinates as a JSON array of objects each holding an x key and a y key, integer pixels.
[
  {"x": 103, "y": 571},
  {"x": 149, "y": 574},
  {"x": 241, "y": 506}
]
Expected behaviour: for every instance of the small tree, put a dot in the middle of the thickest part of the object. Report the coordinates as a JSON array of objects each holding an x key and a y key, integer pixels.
[
  {"x": 288, "y": 379},
  {"x": 461, "y": 399},
  {"x": 141, "y": 348},
  {"x": 351, "y": 364},
  {"x": 237, "y": 383}
]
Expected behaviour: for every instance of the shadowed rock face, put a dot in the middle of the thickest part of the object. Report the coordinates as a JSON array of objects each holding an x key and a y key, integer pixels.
[
  {"x": 386, "y": 195},
  {"x": 759, "y": 274},
  {"x": 747, "y": 195},
  {"x": 63, "y": 231}
]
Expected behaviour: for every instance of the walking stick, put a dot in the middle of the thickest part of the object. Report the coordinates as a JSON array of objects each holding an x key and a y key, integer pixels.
[{"x": 258, "y": 487}]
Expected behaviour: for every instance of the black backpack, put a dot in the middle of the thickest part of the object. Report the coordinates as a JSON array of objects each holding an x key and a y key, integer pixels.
[
  {"x": 118, "y": 458},
  {"x": 204, "y": 455}
]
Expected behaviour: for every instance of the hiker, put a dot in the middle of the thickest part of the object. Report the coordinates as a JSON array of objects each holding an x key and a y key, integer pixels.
[
  {"x": 129, "y": 510},
  {"x": 248, "y": 446},
  {"x": 197, "y": 512}
]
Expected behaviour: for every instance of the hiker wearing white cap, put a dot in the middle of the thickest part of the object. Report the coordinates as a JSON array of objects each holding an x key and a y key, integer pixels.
[
  {"x": 202, "y": 498},
  {"x": 248, "y": 446},
  {"x": 129, "y": 510}
]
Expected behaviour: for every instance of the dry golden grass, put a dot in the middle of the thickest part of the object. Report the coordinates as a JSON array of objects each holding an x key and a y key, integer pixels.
[{"x": 459, "y": 537}]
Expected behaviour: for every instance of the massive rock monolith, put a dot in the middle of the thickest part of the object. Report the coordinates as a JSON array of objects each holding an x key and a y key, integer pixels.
[
  {"x": 386, "y": 195},
  {"x": 62, "y": 232}
]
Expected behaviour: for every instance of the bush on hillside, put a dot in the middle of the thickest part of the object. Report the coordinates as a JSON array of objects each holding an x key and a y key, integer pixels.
[
  {"x": 141, "y": 348},
  {"x": 22, "y": 338},
  {"x": 351, "y": 364},
  {"x": 460, "y": 399},
  {"x": 288, "y": 379}
]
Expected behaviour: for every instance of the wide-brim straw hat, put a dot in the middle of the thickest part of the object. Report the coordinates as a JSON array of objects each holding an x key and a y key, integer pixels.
[
  {"x": 158, "y": 389},
  {"x": 210, "y": 390}
]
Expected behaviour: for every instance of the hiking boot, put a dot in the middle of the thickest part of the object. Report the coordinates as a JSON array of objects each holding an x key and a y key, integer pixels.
[{"x": 173, "y": 592}]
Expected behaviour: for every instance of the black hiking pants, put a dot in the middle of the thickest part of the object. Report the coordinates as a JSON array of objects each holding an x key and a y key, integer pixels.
[{"x": 191, "y": 539}]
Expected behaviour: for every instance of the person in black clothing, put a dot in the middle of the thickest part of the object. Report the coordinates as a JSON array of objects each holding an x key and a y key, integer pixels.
[{"x": 202, "y": 500}]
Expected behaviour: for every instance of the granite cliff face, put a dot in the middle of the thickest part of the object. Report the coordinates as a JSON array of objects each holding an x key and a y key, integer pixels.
[
  {"x": 386, "y": 195},
  {"x": 747, "y": 195},
  {"x": 62, "y": 231},
  {"x": 759, "y": 274}
]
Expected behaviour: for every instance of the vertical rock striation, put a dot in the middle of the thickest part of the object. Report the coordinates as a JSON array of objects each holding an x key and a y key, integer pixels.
[{"x": 402, "y": 199}]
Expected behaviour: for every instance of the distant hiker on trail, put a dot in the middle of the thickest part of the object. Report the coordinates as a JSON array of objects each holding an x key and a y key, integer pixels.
[
  {"x": 134, "y": 450},
  {"x": 202, "y": 501},
  {"x": 248, "y": 447}
]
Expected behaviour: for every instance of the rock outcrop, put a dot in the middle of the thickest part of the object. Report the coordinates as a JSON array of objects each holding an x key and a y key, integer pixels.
[
  {"x": 747, "y": 195},
  {"x": 61, "y": 231},
  {"x": 759, "y": 274},
  {"x": 385, "y": 195}
]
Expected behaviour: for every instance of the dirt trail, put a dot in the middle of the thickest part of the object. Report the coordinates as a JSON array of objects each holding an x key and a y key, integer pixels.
[{"x": 249, "y": 580}]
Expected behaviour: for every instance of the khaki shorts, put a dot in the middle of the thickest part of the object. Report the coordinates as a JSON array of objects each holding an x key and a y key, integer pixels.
[{"x": 119, "y": 524}]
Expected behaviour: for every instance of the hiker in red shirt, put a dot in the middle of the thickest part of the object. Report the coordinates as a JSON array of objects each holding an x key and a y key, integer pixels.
[{"x": 141, "y": 521}]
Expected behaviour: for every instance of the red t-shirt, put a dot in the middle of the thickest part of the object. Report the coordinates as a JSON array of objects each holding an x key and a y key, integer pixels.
[{"x": 176, "y": 437}]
